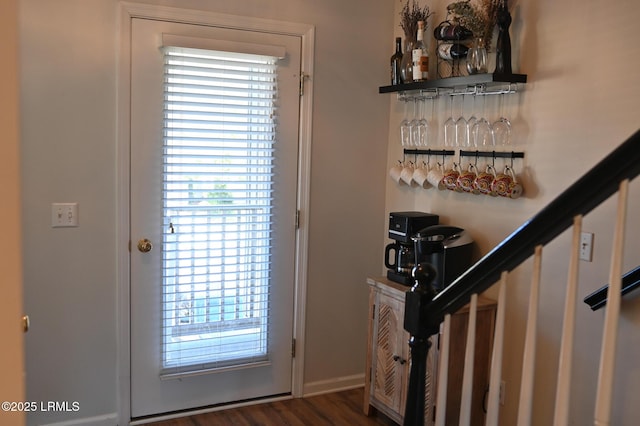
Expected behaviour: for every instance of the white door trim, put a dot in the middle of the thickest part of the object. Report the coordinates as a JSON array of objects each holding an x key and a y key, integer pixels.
[{"x": 128, "y": 11}]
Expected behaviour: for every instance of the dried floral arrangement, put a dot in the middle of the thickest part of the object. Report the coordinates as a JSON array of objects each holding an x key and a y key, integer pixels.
[
  {"x": 410, "y": 15},
  {"x": 480, "y": 19}
]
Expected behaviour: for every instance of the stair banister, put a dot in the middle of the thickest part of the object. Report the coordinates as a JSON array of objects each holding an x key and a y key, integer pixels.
[
  {"x": 596, "y": 186},
  {"x": 424, "y": 312}
]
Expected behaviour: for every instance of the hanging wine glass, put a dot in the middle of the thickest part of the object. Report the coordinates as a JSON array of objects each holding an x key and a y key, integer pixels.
[
  {"x": 461, "y": 127},
  {"x": 414, "y": 125},
  {"x": 423, "y": 126},
  {"x": 482, "y": 132},
  {"x": 502, "y": 127},
  {"x": 450, "y": 127},
  {"x": 471, "y": 122},
  {"x": 405, "y": 129}
]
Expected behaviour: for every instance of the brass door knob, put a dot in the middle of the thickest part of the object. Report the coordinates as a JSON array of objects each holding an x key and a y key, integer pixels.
[
  {"x": 26, "y": 323},
  {"x": 144, "y": 245}
]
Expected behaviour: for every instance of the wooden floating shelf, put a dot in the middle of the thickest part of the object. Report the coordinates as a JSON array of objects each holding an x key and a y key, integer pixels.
[{"x": 453, "y": 82}]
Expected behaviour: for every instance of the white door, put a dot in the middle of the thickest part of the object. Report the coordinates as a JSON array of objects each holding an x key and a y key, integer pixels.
[{"x": 213, "y": 208}]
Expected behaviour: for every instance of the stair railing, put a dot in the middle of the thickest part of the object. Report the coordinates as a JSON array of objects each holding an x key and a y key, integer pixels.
[
  {"x": 630, "y": 282},
  {"x": 425, "y": 310}
]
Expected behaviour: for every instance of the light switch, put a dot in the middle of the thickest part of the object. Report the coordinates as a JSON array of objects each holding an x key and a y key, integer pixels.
[
  {"x": 586, "y": 246},
  {"x": 64, "y": 215}
]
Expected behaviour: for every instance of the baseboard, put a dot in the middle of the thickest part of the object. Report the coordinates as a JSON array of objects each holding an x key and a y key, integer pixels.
[
  {"x": 104, "y": 420},
  {"x": 333, "y": 385}
]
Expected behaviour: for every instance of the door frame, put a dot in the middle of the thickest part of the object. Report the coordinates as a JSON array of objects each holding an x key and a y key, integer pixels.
[
  {"x": 128, "y": 11},
  {"x": 12, "y": 359}
]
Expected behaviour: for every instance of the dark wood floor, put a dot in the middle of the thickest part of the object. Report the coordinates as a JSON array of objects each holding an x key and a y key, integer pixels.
[{"x": 335, "y": 409}]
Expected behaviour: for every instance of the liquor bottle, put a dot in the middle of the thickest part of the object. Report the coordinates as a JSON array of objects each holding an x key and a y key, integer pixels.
[
  {"x": 448, "y": 31},
  {"x": 396, "y": 61},
  {"x": 420, "y": 56},
  {"x": 451, "y": 51}
]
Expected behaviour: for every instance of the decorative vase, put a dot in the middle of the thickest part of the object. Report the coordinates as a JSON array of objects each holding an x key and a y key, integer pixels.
[
  {"x": 477, "y": 57},
  {"x": 503, "y": 45},
  {"x": 406, "y": 66}
]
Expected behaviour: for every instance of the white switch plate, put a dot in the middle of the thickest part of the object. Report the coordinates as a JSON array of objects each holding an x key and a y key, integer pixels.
[
  {"x": 586, "y": 246},
  {"x": 64, "y": 215}
]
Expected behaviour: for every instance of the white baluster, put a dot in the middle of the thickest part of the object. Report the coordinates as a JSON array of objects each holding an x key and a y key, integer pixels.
[
  {"x": 467, "y": 378},
  {"x": 561, "y": 416},
  {"x": 443, "y": 373},
  {"x": 525, "y": 404},
  {"x": 610, "y": 333},
  {"x": 493, "y": 407}
]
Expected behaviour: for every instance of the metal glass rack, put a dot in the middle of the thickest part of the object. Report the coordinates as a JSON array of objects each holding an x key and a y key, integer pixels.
[{"x": 476, "y": 84}]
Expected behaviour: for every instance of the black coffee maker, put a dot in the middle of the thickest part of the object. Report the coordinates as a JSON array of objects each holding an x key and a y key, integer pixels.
[
  {"x": 402, "y": 226},
  {"x": 447, "y": 248}
]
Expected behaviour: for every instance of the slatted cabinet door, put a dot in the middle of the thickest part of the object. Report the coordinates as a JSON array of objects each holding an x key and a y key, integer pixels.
[
  {"x": 388, "y": 356},
  {"x": 390, "y": 359}
]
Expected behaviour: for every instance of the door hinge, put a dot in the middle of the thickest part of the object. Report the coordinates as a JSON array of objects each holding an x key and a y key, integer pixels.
[
  {"x": 297, "y": 224},
  {"x": 303, "y": 77},
  {"x": 293, "y": 348}
]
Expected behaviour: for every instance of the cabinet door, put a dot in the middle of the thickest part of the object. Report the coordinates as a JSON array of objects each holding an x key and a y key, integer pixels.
[
  {"x": 430, "y": 380},
  {"x": 389, "y": 355}
]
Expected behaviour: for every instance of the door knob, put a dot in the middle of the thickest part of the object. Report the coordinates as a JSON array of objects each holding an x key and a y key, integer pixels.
[
  {"x": 144, "y": 245},
  {"x": 26, "y": 323}
]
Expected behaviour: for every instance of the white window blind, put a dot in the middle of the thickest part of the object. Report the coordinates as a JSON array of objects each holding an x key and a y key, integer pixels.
[{"x": 219, "y": 131}]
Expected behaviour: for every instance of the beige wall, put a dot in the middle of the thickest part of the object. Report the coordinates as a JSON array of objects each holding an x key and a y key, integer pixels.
[
  {"x": 11, "y": 357},
  {"x": 581, "y": 100},
  {"x": 68, "y": 91}
]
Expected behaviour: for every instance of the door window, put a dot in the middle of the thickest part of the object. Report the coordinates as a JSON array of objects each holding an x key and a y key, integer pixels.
[{"x": 219, "y": 129}]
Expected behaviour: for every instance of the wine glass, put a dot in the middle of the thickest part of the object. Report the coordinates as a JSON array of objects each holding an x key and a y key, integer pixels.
[
  {"x": 423, "y": 126},
  {"x": 405, "y": 129},
  {"x": 450, "y": 127},
  {"x": 471, "y": 122},
  {"x": 502, "y": 127},
  {"x": 482, "y": 131},
  {"x": 477, "y": 58},
  {"x": 414, "y": 125},
  {"x": 461, "y": 128}
]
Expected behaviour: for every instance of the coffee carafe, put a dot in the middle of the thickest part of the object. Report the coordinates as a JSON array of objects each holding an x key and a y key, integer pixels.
[
  {"x": 404, "y": 258},
  {"x": 448, "y": 249},
  {"x": 399, "y": 256}
]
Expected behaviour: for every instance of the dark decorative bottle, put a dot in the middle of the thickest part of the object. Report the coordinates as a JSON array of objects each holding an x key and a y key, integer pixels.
[
  {"x": 396, "y": 63},
  {"x": 503, "y": 45}
]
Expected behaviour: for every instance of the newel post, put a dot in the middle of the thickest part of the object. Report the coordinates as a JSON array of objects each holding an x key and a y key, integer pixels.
[{"x": 417, "y": 301}]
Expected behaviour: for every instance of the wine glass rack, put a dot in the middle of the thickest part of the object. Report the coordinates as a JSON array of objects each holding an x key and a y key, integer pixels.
[{"x": 475, "y": 84}]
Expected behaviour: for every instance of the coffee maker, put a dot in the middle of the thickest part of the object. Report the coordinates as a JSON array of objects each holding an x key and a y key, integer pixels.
[
  {"x": 402, "y": 226},
  {"x": 447, "y": 248}
]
